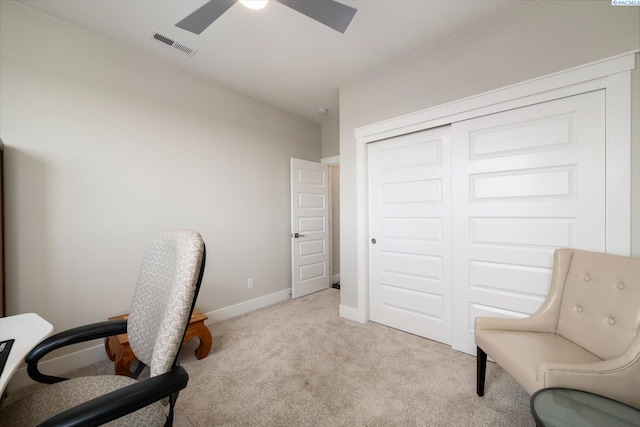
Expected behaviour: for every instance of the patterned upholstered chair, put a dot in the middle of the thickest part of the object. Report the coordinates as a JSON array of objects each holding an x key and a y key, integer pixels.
[
  {"x": 163, "y": 300},
  {"x": 585, "y": 336}
]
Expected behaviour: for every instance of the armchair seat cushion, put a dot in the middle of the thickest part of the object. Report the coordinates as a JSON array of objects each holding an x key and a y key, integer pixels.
[
  {"x": 51, "y": 400},
  {"x": 521, "y": 353}
]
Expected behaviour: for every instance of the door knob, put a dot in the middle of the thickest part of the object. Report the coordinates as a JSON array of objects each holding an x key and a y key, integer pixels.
[
  {"x": 373, "y": 241},
  {"x": 296, "y": 235}
]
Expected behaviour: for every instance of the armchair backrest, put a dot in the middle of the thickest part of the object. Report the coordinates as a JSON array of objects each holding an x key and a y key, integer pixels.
[
  {"x": 164, "y": 298},
  {"x": 600, "y": 305}
]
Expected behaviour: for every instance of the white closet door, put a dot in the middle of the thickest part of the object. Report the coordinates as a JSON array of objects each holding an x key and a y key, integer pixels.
[
  {"x": 525, "y": 182},
  {"x": 409, "y": 232}
]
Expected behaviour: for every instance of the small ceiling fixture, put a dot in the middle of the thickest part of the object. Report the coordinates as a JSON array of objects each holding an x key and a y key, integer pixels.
[
  {"x": 254, "y": 4},
  {"x": 323, "y": 111}
]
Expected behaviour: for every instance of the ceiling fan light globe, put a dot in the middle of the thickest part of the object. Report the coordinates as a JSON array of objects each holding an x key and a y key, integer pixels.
[{"x": 254, "y": 4}]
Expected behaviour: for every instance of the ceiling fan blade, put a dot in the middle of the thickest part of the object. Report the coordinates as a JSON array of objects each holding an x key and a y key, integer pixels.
[
  {"x": 199, "y": 20},
  {"x": 328, "y": 12}
]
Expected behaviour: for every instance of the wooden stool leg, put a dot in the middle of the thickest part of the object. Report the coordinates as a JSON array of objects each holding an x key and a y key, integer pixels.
[
  {"x": 107, "y": 348},
  {"x": 123, "y": 362},
  {"x": 206, "y": 341}
]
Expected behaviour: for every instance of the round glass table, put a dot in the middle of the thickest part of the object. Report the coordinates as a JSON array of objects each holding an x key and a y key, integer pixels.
[{"x": 562, "y": 407}]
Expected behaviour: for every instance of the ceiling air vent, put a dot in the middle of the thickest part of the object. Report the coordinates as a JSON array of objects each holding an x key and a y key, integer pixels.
[{"x": 161, "y": 38}]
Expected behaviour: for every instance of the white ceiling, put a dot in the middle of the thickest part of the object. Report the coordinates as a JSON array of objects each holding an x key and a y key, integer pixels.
[{"x": 277, "y": 55}]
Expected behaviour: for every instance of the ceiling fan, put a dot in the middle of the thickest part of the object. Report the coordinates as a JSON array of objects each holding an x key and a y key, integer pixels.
[{"x": 328, "y": 12}]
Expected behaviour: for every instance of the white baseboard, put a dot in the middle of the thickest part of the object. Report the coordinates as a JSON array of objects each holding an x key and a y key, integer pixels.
[
  {"x": 335, "y": 279},
  {"x": 91, "y": 355},
  {"x": 352, "y": 314},
  {"x": 247, "y": 306}
]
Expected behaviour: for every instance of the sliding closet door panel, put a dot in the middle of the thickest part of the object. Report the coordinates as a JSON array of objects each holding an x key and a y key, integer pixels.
[
  {"x": 525, "y": 182},
  {"x": 409, "y": 227}
]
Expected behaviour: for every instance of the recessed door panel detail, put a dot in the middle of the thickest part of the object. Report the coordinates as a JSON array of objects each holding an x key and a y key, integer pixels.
[
  {"x": 311, "y": 247},
  {"x": 427, "y": 191},
  {"x": 510, "y": 279},
  {"x": 311, "y": 177},
  {"x": 550, "y": 232},
  {"x": 412, "y": 228},
  {"x": 543, "y": 183},
  {"x": 421, "y": 154},
  {"x": 412, "y": 282},
  {"x": 521, "y": 138},
  {"x": 413, "y": 303},
  {"x": 312, "y": 271},
  {"x": 423, "y": 266},
  {"x": 310, "y": 224},
  {"x": 311, "y": 201}
]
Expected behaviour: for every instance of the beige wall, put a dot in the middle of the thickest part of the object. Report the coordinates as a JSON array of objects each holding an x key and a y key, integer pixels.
[
  {"x": 331, "y": 138},
  {"x": 540, "y": 39},
  {"x": 335, "y": 220},
  {"x": 106, "y": 147}
]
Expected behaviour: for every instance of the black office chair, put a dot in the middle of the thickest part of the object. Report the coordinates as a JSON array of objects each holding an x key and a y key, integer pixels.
[{"x": 163, "y": 301}]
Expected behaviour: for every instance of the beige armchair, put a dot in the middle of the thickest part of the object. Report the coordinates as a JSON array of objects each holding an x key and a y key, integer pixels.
[{"x": 585, "y": 336}]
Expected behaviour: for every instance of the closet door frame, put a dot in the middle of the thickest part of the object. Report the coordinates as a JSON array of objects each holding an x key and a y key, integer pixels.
[{"x": 611, "y": 74}]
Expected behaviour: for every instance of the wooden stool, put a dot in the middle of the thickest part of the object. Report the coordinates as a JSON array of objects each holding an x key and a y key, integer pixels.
[{"x": 119, "y": 351}]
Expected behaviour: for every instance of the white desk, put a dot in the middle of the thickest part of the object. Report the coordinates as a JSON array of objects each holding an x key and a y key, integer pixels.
[{"x": 28, "y": 330}]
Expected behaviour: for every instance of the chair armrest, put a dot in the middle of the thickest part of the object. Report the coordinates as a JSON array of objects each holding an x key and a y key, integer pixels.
[
  {"x": 617, "y": 378},
  {"x": 71, "y": 336},
  {"x": 534, "y": 323},
  {"x": 121, "y": 402}
]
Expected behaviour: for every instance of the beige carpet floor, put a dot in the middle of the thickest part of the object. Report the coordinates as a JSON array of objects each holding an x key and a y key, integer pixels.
[{"x": 297, "y": 363}]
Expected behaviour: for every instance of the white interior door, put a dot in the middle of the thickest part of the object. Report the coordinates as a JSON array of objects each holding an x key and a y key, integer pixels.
[
  {"x": 409, "y": 231},
  {"x": 309, "y": 227},
  {"x": 525, "y": 182}
]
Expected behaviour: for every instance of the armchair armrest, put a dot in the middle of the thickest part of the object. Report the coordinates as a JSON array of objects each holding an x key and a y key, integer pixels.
[
  {"x": 537, "y": 322},
  {"x": 71, "y": 336},
  {"x": 121, "y": 402},
  {"x": 617, "y": 378}
]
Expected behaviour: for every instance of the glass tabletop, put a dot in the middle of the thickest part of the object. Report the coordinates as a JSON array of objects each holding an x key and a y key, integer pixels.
[{"x": 561, "y": 407}]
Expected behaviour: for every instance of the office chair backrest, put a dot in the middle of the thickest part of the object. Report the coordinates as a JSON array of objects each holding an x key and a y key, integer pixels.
[{"x": 164, "y": 297}]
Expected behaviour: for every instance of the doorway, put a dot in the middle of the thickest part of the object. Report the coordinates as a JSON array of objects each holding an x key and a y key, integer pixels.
[
  {"x": 315, "y": 225},
  {"x": 334, "y": 221}
]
